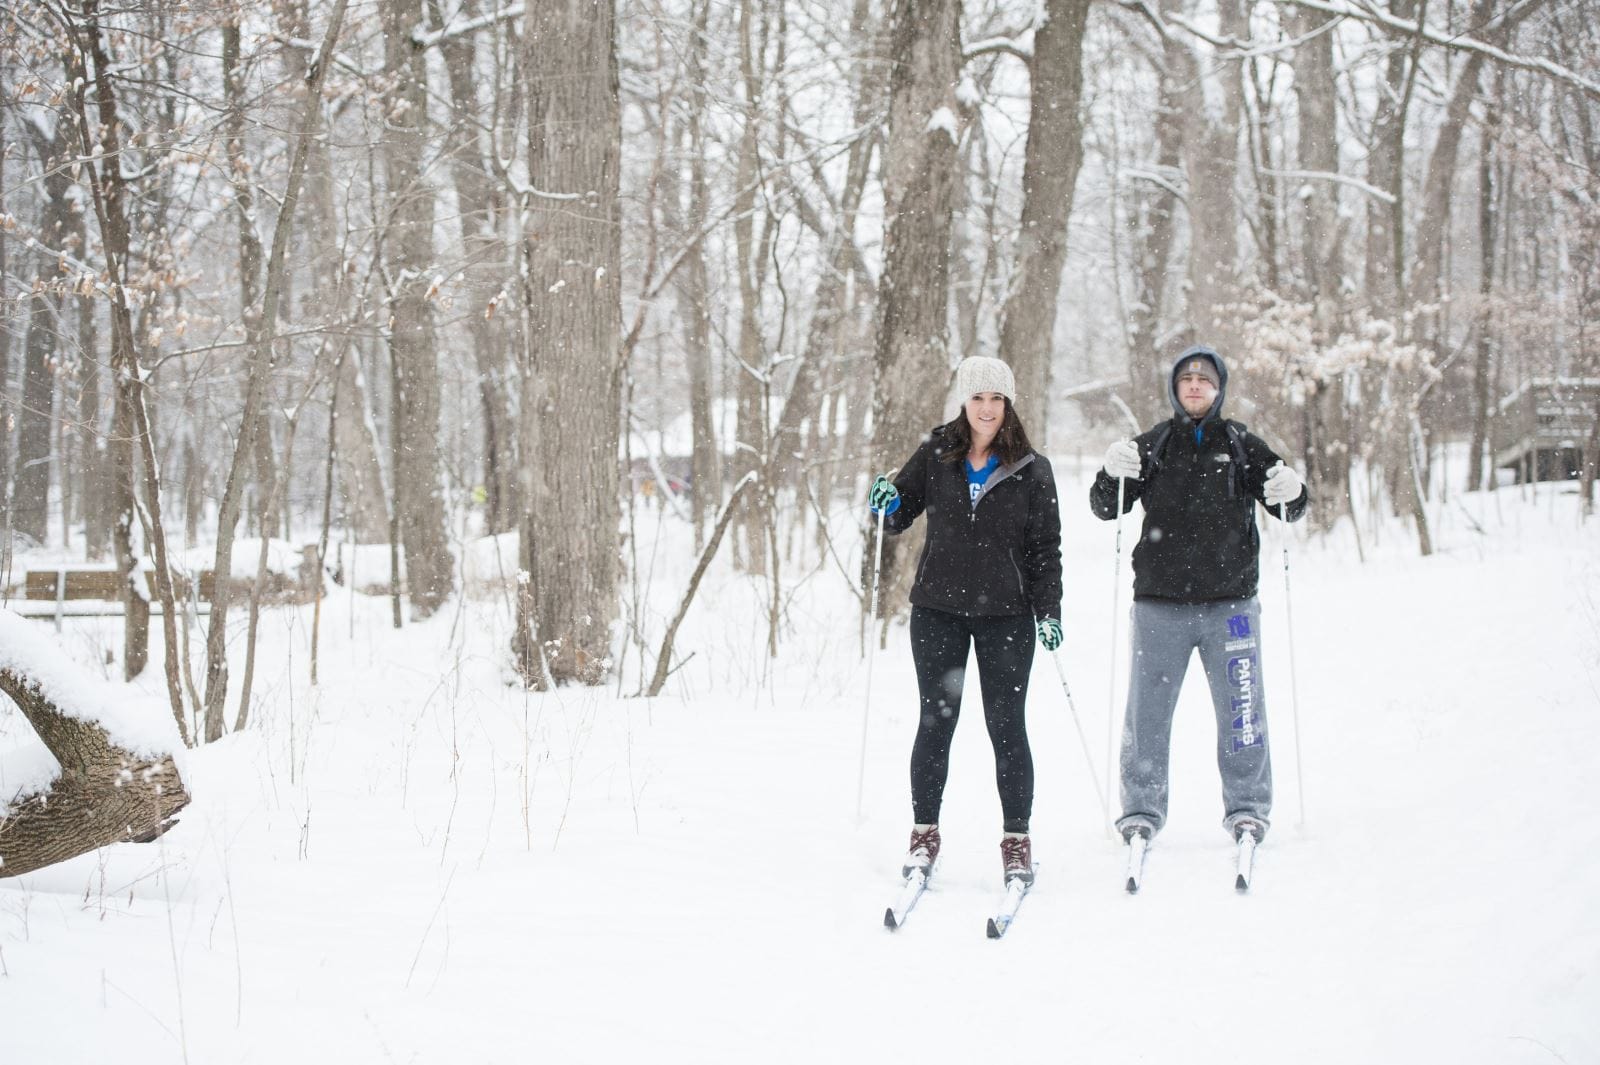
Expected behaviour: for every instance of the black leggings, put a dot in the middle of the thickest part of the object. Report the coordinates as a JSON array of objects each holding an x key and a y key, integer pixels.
[{"x": 939, "y": 647}]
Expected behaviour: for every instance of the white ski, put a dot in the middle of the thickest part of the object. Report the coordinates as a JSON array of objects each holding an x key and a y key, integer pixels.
[
  {"x": 1137, "y": 845},
  {"x": 1016, "y": 890},
  {"x": 1247, "y": 858},
  {"x": 910, "y": 892}
]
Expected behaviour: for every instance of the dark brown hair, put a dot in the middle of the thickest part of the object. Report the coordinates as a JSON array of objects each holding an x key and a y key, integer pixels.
[{"x": 1010, "y": 443}]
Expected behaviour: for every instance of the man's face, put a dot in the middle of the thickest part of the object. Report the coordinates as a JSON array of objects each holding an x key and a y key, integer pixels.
[{"x": 1196, "y": 393}]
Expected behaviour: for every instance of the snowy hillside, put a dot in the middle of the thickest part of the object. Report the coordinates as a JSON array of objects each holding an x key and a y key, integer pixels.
[{"x": 419, "y": 862}]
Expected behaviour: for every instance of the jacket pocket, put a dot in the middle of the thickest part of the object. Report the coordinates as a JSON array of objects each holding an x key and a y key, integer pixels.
[{"x": 1022, "y": 586}]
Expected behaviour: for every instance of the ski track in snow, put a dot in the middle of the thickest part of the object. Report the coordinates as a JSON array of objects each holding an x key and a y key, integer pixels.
[{"x": 419, "y": 862}]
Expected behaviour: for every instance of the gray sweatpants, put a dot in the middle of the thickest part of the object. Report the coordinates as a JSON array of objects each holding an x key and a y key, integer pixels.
[{"x": 1227, "y": 633}]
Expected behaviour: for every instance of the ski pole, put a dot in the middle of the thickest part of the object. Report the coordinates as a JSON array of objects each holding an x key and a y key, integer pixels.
[
  {"x": 1111, "y": 684},
  {"x": 1294, "y": 696},
  {"x": 872, "y": 653},
  {"x": 1083, "y": 741},
  {"x": 1116, "y": 587}
]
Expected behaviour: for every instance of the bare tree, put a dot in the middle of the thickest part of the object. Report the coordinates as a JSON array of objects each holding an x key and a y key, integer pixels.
[
  {"x": 912, "y": 368},
  {"x": 571, "y": 377},
  {"x": 1488, "y": 226},
  {"x": 92, "y": 67},
  {"x": 1321, "y": 439},
  {"x": 30, "y": 491},
  {"x": 752, "y": 246},
  {"x": 419, "y": 506},
  {"x": 1154, "y": 217},
  {"x": 694, "y": 290},
  {"x": 1210, "y": 162},
  {"x": 261, "y": 325},
  {"x": 480, "y": 207},
  {"x": 1049, "y": 176}
]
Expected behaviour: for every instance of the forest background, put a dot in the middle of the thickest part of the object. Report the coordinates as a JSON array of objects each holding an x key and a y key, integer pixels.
[{"x": 412, "y": 273}]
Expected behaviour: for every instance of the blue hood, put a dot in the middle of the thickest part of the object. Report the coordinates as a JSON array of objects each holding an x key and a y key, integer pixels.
[{"x": 1203, "y": 352}]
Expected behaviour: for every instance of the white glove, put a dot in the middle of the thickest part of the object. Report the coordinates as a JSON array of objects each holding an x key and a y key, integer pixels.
[
  {"x": 1122, "y": 460},
  {"x": 1283, "y": 485}
]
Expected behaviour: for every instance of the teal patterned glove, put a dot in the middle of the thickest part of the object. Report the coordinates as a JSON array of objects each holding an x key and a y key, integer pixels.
[
  {"x": 1049, "y": 633},
  {"x": 884, "y": 497}
]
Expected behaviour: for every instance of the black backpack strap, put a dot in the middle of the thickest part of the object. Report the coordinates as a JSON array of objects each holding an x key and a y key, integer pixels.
[
  {"x": 1158, "y": 447},
  {"x": 1241, "y": 460}
]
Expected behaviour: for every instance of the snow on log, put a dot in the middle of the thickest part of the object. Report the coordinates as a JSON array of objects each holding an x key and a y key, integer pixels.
[{"x": 117, "y": 781}]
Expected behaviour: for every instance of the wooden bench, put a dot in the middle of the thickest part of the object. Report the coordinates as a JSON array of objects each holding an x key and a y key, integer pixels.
[
  {"x": 95, "y": 589},
  {"x": 87, "y": 590}
]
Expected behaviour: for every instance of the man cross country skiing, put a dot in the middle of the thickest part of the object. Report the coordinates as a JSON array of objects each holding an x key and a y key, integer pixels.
[{"x": 1195, "y": 572}]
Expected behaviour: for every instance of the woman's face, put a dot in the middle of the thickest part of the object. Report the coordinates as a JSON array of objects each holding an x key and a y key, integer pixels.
[{"x": 985, "y": 413}]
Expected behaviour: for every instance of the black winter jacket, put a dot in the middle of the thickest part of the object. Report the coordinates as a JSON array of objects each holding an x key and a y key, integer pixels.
[
  {"x": 996, "y": 557},
  {"x": 1199, "y": 541}
]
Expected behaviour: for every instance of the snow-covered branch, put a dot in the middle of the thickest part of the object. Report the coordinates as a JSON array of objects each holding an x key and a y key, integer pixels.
[
  {"x": 1020, "y": 46},
  {"x": 1342, "y": 179},
  {"x": 1459, "y": 42},
  {"x": 423, "y": 37}
]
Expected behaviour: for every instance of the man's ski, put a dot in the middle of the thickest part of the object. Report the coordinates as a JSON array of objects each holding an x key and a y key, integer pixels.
[
  {"x": 1016, "y": 891},
  {"x": 1137, "y": 846},
  {"x": 1246, "y": 864},
  {"x": 910, "y": 892}
]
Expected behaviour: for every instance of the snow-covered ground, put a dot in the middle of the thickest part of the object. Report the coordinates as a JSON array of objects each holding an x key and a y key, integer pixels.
[{"x": 417, "y": 861}]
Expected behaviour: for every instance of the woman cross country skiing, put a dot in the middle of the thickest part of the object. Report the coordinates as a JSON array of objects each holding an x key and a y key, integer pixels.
[{"x": 989, "y": 577}]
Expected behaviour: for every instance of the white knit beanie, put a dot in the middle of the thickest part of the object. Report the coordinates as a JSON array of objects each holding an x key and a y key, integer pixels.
[{"x": 979, "y": 374}]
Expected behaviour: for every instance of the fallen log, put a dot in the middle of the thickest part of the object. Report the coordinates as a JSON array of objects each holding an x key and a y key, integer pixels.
[{"x": 106, "y": 791}]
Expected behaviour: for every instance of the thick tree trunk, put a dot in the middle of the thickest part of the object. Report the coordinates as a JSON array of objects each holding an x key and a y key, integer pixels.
[
  {"x": 912, "y": 360},
  {"x": 572, "y": 385},
  {"x": 418, "y": 492},
  {"x": 1210, "y": 160},
  {"x": 105, "y": 794},
  {"x": 1049, "y": 175}
]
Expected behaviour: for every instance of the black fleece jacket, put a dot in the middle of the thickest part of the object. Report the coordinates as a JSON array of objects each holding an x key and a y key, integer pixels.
[
  {"x": 1000, "y": 556},
  {"x": 1199, "y": 541}
]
